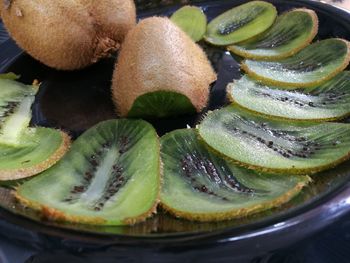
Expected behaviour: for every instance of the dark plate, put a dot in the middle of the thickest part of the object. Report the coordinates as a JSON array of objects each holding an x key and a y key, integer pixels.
[{"x": 74, "y": 101}]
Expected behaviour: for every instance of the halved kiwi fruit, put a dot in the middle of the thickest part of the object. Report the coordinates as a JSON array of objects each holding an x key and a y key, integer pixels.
[
  {"x": 191, "y": 20},
  {"x": 110, "y": 176},
  {"x": 240, "y": 23},
  {"x": 291, "y": 32},
  {"x": 200, "y": 185},
  {"x": 160, "y": 65},
  {"x": 24, "y": 151},
  {"x": 275, "y": 146},
  {"x": 311, "y": 66},
  {"x": 68, "y": 35},
  {"x": 329, "y": 101}
]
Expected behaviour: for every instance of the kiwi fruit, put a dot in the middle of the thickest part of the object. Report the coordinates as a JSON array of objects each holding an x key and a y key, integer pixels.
[
  {"x": 240, "y": 23},
  {"x": 191, "y": 20},
  {"x": 68, "y": 35},
  {"x": 200, "y": 185},
  {"x": 24, "y": 151},
  {"x": 158, "y": 57},
  {"x": 291, "y": 32},
  {"x": 326, "y": 102},
  {"x": 311, "y": 66},
  {"x": 110, "y": 176},
  {"x": 261, "y": 143}
]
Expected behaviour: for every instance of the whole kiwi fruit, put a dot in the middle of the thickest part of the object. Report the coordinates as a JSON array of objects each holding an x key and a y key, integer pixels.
[
  {"x": 157, "y": 56},
  {"x": 68, "y": 35}
]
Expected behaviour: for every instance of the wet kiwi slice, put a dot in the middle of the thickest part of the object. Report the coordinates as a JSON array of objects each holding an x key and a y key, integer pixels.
[
  {"x": 191, "y": 20},
  {"x": 24, "y": 151},
  {"x": 329, "y": 101},
  {"x": 309, "y": 67},
  {"x": 275, "y": 146},
  {"x": 240, "y": 23},
  {"x": 83, "y": 31},
  {"x": 160, "y": 65},
  {"x": 110, "y": 176},
  {"x": 200, "y": 185},
  {"x": 291, "y": 32}
]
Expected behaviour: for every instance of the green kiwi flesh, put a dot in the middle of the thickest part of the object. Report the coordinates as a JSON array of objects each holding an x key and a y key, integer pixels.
[
  {"x": 240, "y": 23},
  {"x": 200, "y": 185},
  {"x": 110, "y": 176},
  {"x": 291, "y": 32},
  {"x": 275, "y": 146},
  {"x": 311, "y": 66},
  {"x": 160, "y": 104},
  {"x": 191, "y": 20},
  {"x": 328, "y": 101},
  {"x": 24, "y": 151}
]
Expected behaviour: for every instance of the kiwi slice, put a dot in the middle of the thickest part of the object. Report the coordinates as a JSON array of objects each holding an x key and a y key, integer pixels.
[
  {"x": 110, "y": 176},
  {"x": 191, "y": 20},
  {"x": 291, "y": 32},
  {"x": 311, "y": 66},
  {"x": 160, "y": 104},
  {"x": 200, "y": 185},
  {"x": 275, "y": 146},
  {"x": 329, "y": 101},
  {"x": 240, "y": 23},
  {"x": 24, "y": 151}
]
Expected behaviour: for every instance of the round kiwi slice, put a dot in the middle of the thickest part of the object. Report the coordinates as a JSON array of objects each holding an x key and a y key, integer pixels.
[
  {"x": 110, "y": 176},
  {"x": 68, "y": 35},
  {"x": 191, "y": 20},
  {"x": 200, "y": 185},
  {"x": 24, "y": 151},
  {"x": 291, "y": 32},
  {"x": 240, "y": 23},
  {"x": 329, "y": 101},
  {"x": 160, "y": 65},
  {"x": 275, "y": 146},
  {"x": 311, "y": 66}
]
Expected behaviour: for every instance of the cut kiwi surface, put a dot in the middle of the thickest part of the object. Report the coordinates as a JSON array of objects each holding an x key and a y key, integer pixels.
[
  {"x": 291, "y": 32},
  {"x": 311, "y": 66},
  {"x": 200, "y": 185},
  {"x": 329, "y": 101},
  {"x": 275, "y": 146},
  {"x": 24, "y": 151},
  {"x": 111, "y": 176},
  {"x": 240, "y": 23},
  {"x": 160, "y": 104},
  {"x": 191, "y": 20}
]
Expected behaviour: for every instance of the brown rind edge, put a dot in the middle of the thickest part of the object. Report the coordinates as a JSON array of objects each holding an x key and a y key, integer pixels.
[
  {"x": 238, "y": 213},
  {"x": 300, "y": 85},
  {"x": 313, "y": 33}
]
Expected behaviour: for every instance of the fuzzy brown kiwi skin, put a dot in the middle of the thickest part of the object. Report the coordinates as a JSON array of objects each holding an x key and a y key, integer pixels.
[
  {"x": 7, "y": 175},
  {"x": 293, "y": 170},
  {"x": 181, "y": 67},
  {"x": 68, "y": 35},
  {"x": 239, "y": 213}
]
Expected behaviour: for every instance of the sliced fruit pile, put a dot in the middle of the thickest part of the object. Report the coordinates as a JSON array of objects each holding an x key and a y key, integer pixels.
[
  {"x": 24, "y": 150},
  {"x": 250, "y": 156}
]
